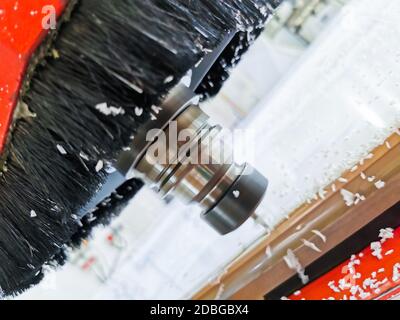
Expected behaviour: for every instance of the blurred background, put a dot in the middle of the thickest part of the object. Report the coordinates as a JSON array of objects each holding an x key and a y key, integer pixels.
[{"x": 317, "y": 93}]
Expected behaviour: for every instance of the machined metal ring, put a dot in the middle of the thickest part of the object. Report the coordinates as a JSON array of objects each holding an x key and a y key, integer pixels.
[{"x": 227, "y": 192}]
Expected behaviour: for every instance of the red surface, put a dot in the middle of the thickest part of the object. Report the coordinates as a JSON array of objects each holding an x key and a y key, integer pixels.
[
  {"x": 20, "y": 33},
  {"x": 369, "y": 267}
]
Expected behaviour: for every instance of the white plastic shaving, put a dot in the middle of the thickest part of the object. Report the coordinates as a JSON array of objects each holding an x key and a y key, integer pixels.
[
  {"x": 109, "y": 110},
  {"x": 311, "y": 245},
  {"x": 376, "y": 249},
  {"x": 156, "y": 109},
  {"x": 333, "y": 187},
  {"x": 99, "y": 165},
  {"x": 359, "y": 198},
  {"x": 348, "y": 197},
  {"x": 380, "y": 184},
  {"x": 61, "y": 150},
  {"x": 169, "y": 79},
  {"x": 389, "y": 252},
  {"x": 344, "y": 285},
  {"x": 332, "y": 286},
  {"x": 364, "y": 295},
  {"x": 319, "y": 234},
  {"x": 293, "y": 263},
  {"x": 343, "y": 180},
  {"x": 354, "y": 289},
  {"x": 385, "y": 234},
  {"x": 363, "y": 176},
  {"x": 110, "y": 169},
  {"x": 84, "y": 156},
  {"x": 354, "y": 169},
  {"x": 236, "y": 194},
  {"x": 138, "y": 111},
  {"x": 396, "y": 272},
  {"x": 33, "y": 214},
  {"x": 371, "y": 179},
  {"x": 388, "y": 145}
]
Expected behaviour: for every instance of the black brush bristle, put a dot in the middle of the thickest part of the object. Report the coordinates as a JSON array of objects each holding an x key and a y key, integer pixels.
[{"x": 117, "y": 52}]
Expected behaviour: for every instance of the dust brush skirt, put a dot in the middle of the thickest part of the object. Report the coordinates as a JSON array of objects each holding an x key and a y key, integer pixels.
[{"x": 115, "y": 52}]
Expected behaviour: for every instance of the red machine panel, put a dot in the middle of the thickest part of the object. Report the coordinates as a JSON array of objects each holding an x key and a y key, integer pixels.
[
  {"x": 23, "y": 25},
  {"x": 373, "y": 273}
]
